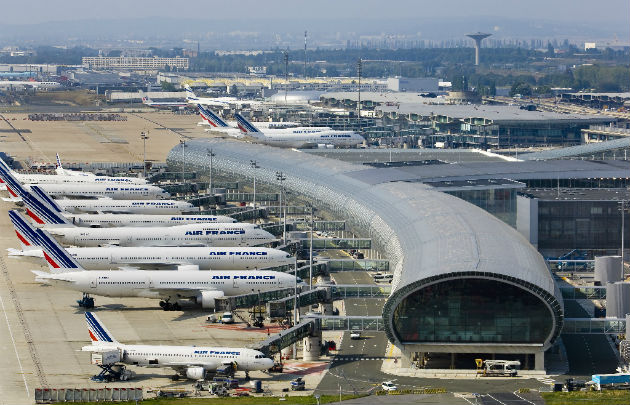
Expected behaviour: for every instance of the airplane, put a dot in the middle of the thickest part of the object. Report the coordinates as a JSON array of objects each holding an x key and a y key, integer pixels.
[
  {"x": 298, "y": 137},
  {"x": 164, "y": 104},
  {"x": 182, "y": 258},
  {"x": 90, "y": 190},
  {"x": 107, "y": 205},
  {"x": 34, "y": 84},
  {"x": 64, "y": 176},
  {"x": 214, "y": 234},
  {"x": 45, "y": 210},
  {"x": 217, "y": 124},
  {"x": 170, "y": 286},
  {"x": 192, "y": 362},
  {"x": 192, "y": 98}
]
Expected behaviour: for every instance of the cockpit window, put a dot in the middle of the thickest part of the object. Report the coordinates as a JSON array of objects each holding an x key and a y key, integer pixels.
[
  {"x": 299, "y": 280},
  {"x": 257, "y": 227},
  {"x": 288, "y": 256}
]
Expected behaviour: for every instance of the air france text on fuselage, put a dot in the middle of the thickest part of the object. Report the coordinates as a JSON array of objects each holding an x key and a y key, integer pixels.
[{"x": 199, "y": 233}]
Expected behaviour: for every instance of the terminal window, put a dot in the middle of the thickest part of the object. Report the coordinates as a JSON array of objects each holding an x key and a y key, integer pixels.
[{"x": 472, "y": 311}]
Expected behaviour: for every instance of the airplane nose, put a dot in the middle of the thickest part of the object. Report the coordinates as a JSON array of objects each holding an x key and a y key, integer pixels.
[{"x": 267, "y": 363}]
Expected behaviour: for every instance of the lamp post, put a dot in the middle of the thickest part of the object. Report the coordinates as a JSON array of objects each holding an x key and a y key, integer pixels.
[
  {"x": 281, "y": 178},
  {"x": 310, "y": 251},
  {"x": 623, "y": 233},
  {"x": 210, "y": 154},
  {"x": 254, "y": 165},
  {"x": 359, "y": 71},
  {"x": 286, "y": 74},
  {"x": 183, "y": 143},
  {"x": 144, "y": 136}
]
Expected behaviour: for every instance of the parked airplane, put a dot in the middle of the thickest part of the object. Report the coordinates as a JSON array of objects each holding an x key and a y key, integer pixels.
[
  {"x": 64, "y": 176},
  {"x": 89, "y": 190},
  {"x": 164, "y": 104},
  {"x": 184, "y": 258},
  {"x": 200, "y": 287},
  {"x": 192, "y": 98},
  {"x": 28, "y": 83},
  {"x": 219, "y": 234},
  {"x": 107, "y": 205},
  {"x": 47, "y": 211},
  {"x": 217, "y": 124},
  {"x": 298, "y": 137},
  {"x": 192, "y": 362},
  {"x": 62, "y": 171}
]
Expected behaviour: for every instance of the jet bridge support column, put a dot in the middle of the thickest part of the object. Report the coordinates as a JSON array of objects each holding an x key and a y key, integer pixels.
[{"x": 312, "y": 344}]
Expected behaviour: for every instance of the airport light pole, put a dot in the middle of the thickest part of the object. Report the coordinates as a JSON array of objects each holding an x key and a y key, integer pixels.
[
  {"x": 295, "y": 304},
  {"x": 623, "y": 233},
  {"x": 210, "y": 154},
  {"x": 359, "y": 71},
  {"x": 281, "y": 178},
  {"x": 254, "y": 165},
  {"x": 144, "y": 136},
  {"x": 286, "y": 74},
  {"x": 310, "y": 251},
  {"x": 183, "y": 143}
]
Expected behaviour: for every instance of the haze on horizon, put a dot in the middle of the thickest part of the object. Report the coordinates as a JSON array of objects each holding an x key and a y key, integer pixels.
[
  {"x": 41, "y": 11},
  {"x": 282, "y": 23}
]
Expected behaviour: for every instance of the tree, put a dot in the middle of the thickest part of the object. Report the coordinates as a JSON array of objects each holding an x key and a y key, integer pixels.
[
  {"x": 166, "y": 86},
  {"x": 524, "y": 89}
]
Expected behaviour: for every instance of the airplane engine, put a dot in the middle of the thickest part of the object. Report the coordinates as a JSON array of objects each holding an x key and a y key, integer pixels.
[
  {"x": 206, "y": 298},
  {"x": 195, "y": 373}
]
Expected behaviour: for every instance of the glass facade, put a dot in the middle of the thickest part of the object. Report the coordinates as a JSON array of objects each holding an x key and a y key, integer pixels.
[
  {"x": 499, "y": 202},
  {"x": 466, "y": 310},
  {"x": 580, "y": 224}
]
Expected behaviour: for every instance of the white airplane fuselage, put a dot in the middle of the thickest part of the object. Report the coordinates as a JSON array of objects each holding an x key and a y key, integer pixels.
[
  {"x": 113, "y": 191},
  {"x": 204, "y": 258},
  {"x": 214, "y": 234},
  {"x": 126, "y": 206},
  {"x": 142, "y": 220},
  {"x": 188, "y": 359},
  {"x": 170, "y": 284}
]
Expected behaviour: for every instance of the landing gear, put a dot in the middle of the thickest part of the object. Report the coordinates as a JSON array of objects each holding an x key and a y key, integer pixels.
[
  {"x": 86, "y": 302},
  {"x": 247, "y": 375},
  {"x": 175, "y": 377},
  {"x": 167, "y": 306}
]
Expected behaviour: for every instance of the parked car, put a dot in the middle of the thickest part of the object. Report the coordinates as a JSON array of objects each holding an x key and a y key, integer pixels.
[
  {"x": 389, "y": 386},
  {"x": 227, "y": 317}
]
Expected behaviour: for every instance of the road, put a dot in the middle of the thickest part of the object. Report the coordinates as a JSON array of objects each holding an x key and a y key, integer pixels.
[{"x": 357, "y": 366}]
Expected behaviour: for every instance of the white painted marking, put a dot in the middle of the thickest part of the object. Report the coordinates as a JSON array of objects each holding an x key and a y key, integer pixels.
[{"x": 15, "y": 347}]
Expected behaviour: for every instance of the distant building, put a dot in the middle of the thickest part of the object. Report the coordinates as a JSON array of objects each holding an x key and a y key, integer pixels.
[
  {"x": 589, "y": 45},
  {"x": 420, "y": 85},
  {"x": 134, "y": 63}
]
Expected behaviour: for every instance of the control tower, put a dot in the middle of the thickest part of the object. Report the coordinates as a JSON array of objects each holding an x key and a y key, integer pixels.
[{"x": 478, "y": 37}]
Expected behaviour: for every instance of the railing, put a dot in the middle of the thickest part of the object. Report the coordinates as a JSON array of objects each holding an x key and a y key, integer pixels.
[
  {"x": 594, "y": 325},
  {"x": 583, "y": 293}
]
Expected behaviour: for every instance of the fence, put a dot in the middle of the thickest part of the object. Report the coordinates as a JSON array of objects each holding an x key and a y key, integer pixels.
[{"x": 50, "y": 395}]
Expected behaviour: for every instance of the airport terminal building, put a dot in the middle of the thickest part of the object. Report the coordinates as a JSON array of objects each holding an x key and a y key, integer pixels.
[{"x": 465, "y": 282}]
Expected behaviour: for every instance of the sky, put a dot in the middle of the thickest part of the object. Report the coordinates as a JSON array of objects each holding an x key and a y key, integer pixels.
[{"x": 41, "y": 11}]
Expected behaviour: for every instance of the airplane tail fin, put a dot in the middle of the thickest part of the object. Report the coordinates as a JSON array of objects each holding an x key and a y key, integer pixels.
[
  {"x": 43, "y": 196},
  {"x": 98, "y": 332},
  {"x": 14, "y": 187},
  {"x": 57, "y": 257},
  {"x": 190, "y": 95},
  {"x": 41, "y": 212},
  {"x": 209, "y": 116},
  {"x": 26, "y": 233},
  {"x": 59, "y": 166},
  {"x": 245, "y": 126}
]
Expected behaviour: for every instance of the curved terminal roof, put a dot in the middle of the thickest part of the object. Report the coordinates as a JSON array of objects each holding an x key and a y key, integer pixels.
[{"x": 423, "y": 232}]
